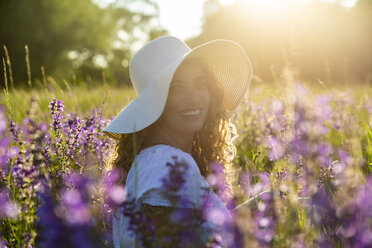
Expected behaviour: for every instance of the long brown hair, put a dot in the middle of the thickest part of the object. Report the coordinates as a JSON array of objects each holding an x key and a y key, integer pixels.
[{"x": 213, "y": 143}]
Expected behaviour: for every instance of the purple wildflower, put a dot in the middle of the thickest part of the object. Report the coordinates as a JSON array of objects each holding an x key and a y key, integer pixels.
[
  {"x": 56, "y": 106},
  {"x": 8, "y": 208},
  {"x": 264, "y": 219},
  {"x": 139, "y": 225},
  {"x": 218, "y": 181},
  {"x": 56, "y": 109},
  {"x": 276, "y": 149},
  {"x": 114, "y": 193},
  {"x": 57, "y": 231}
]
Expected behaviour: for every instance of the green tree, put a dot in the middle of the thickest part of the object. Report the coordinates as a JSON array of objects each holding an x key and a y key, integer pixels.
[{"x": 67, "y": 36}]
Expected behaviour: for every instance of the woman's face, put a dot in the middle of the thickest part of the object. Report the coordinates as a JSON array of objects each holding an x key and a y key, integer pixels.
[{"x": 188, "y": 101}]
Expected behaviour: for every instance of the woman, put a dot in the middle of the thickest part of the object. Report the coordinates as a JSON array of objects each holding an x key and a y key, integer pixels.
[{"x": 180, "y": 113}]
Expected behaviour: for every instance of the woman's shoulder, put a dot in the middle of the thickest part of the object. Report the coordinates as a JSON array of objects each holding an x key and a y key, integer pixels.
[
  {"x": 160, "y": 154},
  {"x": 153, "y": 161},
  {"x": 151, "y": 167}
]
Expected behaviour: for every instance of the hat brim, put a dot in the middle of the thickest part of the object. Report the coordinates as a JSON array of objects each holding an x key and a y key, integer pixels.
[
  {"x": 231, "y": 66},
  {"x": 227, "y": 60}
]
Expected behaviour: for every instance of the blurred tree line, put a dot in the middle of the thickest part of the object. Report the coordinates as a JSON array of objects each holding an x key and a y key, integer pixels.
[
  {"x": 307, "y": 41},
  {"x": 75, "y": 39},
  {"x": 312, "y": 41}
]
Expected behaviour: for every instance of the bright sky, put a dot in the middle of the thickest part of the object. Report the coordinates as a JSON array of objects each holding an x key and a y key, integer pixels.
[{"x": 182, "y": 18}]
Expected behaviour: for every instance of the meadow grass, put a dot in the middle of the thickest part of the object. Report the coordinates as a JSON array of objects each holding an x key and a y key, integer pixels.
[
  {"x": 82, "y": 98},
  {"x": 295, "y": 139},
  {"x": 77, "y": 99}
]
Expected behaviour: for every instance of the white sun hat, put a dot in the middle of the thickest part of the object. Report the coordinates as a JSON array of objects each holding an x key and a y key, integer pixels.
[{"x": 151, "y": 71}]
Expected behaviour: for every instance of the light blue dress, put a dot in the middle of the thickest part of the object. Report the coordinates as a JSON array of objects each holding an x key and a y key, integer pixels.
[{"x": 151, "y": 169}]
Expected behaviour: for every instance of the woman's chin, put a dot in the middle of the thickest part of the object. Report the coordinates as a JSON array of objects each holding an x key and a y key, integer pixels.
[{"x": 192, "y": 129}]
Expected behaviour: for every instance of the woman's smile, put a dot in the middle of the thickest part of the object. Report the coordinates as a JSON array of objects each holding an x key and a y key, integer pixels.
[
  {"x": 188, "y": 102},
  {"x": 191, "y": 113}
]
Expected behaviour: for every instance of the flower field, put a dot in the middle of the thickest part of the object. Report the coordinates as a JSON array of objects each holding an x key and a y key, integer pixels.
[{"x": 310, "y": 153}]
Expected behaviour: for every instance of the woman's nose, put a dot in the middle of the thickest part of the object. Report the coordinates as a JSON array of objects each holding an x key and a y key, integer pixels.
[{"x": 191, "y": 92}]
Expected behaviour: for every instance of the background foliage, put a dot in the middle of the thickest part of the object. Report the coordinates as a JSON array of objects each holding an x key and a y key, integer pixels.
[
  {"x": 78, "y": 41},
  {"x": 319, "y": 39},
  {"x": 74, "y": 37}
]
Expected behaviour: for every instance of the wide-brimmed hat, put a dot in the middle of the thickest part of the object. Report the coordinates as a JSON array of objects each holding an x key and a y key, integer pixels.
[{"x": 151, "y": 71}]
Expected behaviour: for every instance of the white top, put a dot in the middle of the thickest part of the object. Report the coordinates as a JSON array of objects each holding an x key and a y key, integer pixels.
[{"x": 151, "y": 169}]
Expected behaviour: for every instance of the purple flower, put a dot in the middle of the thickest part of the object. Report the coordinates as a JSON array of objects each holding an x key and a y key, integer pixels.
[
  {"x": 264, "y": 219},
  {"x": 174, "y": 183},
  {"x": 8, "y": 208},
  {"x": 276, "y": 149},
  {"x": 218, "y": 180},
  {"x": 3, "y": 244},
  {"x": 56, "y": 109},
  {"x": 323, "y": 110},
  {"x": 55, "y": 231},
  {"x": 70, "y": 221},
  {"x": 114, "y": 193},
  {"x": 55, "y": 106},
  {"x": 139, "y": 225},
  {"x": 6, "y": 152},
  {"x": 15, "y": 131},
  {"x": 323, "y": 152}
]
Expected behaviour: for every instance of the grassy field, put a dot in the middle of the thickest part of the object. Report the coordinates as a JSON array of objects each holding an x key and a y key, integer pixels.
[
  {"x": 310, "y": 145},
  {"x": 81, "y": 99},
  {"x": 78, "y": 99}
]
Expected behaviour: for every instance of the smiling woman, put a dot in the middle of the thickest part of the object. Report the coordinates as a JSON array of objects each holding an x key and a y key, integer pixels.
[
  {"x": 187, "y": 106},
  {"x": 180, "y": 113}
]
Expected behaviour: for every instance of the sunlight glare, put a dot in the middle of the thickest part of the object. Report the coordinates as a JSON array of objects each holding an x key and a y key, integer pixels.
[
  {"x": 181, "y": 18},
  {"x": 349, "y": 3},
  {"x": 344, "y": 3},
  {"x": 271, "y": 5},
  {"x": 270, "y": 8},
  {"x": 226, "y": 2},
  {"x": 329, "y": 1}
]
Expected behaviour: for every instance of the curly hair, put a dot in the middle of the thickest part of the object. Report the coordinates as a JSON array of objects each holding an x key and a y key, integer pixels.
[{"x": 213, "y": 143}]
